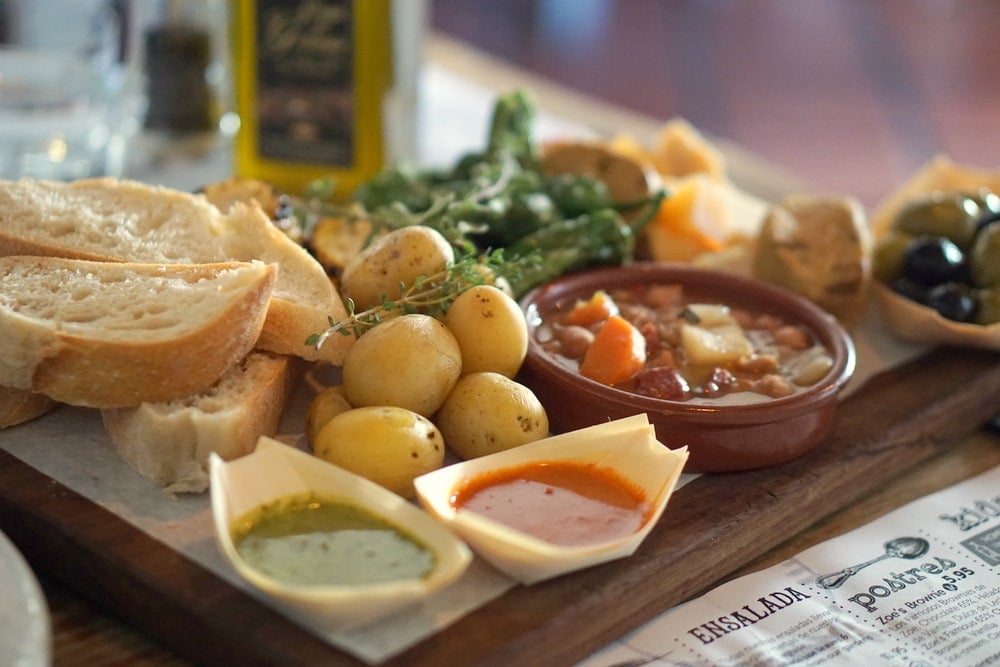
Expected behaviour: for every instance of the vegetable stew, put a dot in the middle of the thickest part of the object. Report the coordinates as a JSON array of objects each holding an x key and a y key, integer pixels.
[{"x": 653, "y": 340}]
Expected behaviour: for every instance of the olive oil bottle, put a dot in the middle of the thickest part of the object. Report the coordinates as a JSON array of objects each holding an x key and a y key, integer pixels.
[{"x": 314, "y": 79}]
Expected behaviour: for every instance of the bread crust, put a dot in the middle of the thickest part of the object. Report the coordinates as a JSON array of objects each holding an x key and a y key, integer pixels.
[
  {"x": 105, "y": 219},
  {"x": 168, "y": 443},
  {"x": 18, "y": 406},
  {"x": 83, "y": 364},
  {"x": 301, "y": 305}
]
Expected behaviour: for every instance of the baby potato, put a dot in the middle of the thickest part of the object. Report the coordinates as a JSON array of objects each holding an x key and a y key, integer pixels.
[
  {"x": 490, "y": 329},
  {"x": 326, "y": 405},
  {"x": 411, "y": 361},
  {"x": 487, "y": 413},
  {"x": 387, "y": 445},
  {"x": 399, "y": 257}
]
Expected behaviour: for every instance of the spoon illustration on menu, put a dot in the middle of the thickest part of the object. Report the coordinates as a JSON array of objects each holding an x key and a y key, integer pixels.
[{"x": 901, "y": 547}]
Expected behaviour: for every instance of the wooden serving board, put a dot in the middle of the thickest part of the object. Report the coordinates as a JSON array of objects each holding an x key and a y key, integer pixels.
[{"x": 713, "y": 526}]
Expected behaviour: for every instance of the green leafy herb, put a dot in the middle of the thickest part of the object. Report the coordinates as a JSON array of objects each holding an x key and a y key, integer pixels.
[
  {"x": 430, "y": 295},
  {"x": 491, "y": 200},
  {"x": 690, "y": 316}
]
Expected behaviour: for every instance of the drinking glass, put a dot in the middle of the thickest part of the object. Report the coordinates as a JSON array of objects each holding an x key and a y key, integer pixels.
[{"x": 67, "y": 107}]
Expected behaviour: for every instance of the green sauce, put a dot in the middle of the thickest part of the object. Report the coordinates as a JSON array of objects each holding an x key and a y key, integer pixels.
[{"x": 315, "y": 540}]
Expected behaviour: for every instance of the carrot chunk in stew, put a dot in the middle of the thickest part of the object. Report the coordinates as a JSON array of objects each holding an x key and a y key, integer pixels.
[{"x": 617, "y": 353}]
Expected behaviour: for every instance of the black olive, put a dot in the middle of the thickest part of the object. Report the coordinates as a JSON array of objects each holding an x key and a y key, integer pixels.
[
  {"x": 284, "y": 209},
  {"x": 953, "y": 301},
  {"x": 933, "y": 260},
  {"x": 909, "y": 289},
  {"x": 993, "y": 423}
]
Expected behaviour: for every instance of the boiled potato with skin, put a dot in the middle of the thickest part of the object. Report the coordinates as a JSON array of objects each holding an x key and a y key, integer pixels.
[
  {"x": 387, "y": 445},
  {"x": 326, "y": 405},
  {"x": 398, "y": 258},
  {"x": 487, "y": 413},
  {"x": 490, "y": 329},
  {"x": 411, "y": 361}
]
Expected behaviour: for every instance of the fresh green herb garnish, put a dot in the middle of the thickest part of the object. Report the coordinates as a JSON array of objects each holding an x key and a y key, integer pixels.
[
  {"x": 430, "y": 295},
  {"x": 690, "y": 316},
  {"x": 496, "y": 199}
]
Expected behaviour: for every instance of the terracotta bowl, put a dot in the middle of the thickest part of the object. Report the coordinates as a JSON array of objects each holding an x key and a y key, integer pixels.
[{"x": 719, "y": 438}]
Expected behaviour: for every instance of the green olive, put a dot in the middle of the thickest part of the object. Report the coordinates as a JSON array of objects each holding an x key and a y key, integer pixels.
[
  {"x": 950, "y": 215},
  {"x": 888, "y": 257},
  {"x": 984, "y": 257},
  {"x": 988, "y": 306}
]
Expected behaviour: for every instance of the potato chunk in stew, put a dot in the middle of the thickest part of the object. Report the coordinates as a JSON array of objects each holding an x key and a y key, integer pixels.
[{"x": 715, "y": 338}]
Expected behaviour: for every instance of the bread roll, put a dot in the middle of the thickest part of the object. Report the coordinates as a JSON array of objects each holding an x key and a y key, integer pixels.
[{"x": 820, "y": 247}]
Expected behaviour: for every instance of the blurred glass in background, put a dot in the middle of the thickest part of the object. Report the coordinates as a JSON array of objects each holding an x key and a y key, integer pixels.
[
  {"x": 185, "y": 75},
  {"x": 68, "y": 103}
]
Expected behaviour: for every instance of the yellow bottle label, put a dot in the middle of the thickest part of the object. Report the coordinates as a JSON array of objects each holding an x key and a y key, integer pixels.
[{"x": 311, "y": 78}]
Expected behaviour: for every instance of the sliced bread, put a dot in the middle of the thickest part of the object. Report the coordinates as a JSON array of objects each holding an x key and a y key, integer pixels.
[
  {"x": 168, "y": 443},
  {"x": 18, "y": 406},
  {"x": 112, "y": 220},
  {"x": 109, "y": 334}
]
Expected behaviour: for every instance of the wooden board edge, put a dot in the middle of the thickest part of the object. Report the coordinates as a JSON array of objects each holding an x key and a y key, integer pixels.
[
  {"x": 143, "y": 582},
  {"x": 137, "y": 578},
  {"x": 867, "y": 447}
]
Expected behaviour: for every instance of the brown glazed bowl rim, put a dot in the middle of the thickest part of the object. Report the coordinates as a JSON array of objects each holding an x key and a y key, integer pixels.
[{"x": 731, "y": 289}]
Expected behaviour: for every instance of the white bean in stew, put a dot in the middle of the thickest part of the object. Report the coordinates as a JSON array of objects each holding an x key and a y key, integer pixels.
[{"x": 654, "y": 341}]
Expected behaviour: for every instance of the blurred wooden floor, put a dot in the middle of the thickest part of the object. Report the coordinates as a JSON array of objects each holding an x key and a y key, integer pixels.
[{"x": 852, "y": 96}]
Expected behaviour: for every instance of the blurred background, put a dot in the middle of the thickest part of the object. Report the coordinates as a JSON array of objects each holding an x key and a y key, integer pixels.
[{"x": 852, "y": 96}]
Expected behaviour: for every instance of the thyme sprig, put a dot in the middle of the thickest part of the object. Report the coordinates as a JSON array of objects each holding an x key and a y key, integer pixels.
[{"x": 431, "y": 295}]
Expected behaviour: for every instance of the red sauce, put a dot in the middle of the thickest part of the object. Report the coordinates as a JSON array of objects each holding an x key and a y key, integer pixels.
[{"x": 562, "y": 502}]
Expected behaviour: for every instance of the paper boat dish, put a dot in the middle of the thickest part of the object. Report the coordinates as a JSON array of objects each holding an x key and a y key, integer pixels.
[
  {"x": 916, "y": 323},
  {"x": 275, "y": 471},
  {"x": 627, "y": 447}
]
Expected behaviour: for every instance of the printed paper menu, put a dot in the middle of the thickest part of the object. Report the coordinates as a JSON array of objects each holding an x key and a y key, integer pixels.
[{"x": 917, "y": 587}]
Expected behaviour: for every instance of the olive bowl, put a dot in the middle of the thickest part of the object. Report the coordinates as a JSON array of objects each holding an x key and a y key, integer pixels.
[
  {"x": 908, "y": 320},
  {"x": 916, "y": 323},
  {"x": 719, "y": 437}
]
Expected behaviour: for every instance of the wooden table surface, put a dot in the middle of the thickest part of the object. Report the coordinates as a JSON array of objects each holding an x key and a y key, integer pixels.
[{"x": 850, "y": 96}]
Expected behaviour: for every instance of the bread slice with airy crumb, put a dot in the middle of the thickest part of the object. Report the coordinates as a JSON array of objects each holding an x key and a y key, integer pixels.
[
  {"x": 168, "y": 443},
  {"x": 125, "y": 221},
  {"x": 110, "y": 334},
  {"x": 18, "y": 406}
]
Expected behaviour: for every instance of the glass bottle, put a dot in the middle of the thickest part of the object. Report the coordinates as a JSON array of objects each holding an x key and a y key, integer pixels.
[{"x": 320, "y": 90}]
